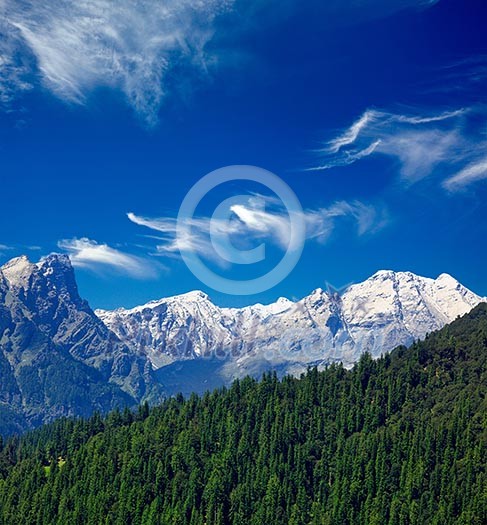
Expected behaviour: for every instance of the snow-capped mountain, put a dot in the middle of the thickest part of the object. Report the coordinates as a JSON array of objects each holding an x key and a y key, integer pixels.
[
  {"x": 56, "y": 357},
  {"x": 387, "y": 310}
]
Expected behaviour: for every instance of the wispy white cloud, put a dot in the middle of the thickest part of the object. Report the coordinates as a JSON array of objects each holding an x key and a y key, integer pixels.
[
  {"x": 475, "y": 171},
  {"x": 86, "y": 253},
  {"x": 170, "y": 244},
  {"x": 20, "y": 248},
  {"x": 465, "y": 76},
  {"x": 4, "y": 248},
  {"x": 259, "y": 218},
  {"x": 347, "y": 157},
  {"x": 76, "y": 47},
  {"x": 350, "y": 135},
  {"x": 367, "y": 218},
  {"x": 421, "y": 144}
]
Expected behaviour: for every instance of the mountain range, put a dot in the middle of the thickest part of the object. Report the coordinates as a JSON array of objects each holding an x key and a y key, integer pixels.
[
  {"x": 58, "y": 357},
  {"x": 195, "y": 345}
]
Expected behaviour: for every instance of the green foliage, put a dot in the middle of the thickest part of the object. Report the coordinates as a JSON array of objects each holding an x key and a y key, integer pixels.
[{"x": 400, "y": 440}]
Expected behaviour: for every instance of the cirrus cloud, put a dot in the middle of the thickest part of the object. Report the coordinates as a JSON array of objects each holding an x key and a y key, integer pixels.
[
  {"x": 450, "y": 144},
  {"x": 86, "y": 253},
  {"x": 74, "y": 47},
  {"x": 473, "y": 172},
  {"x": 135, "y": 47},
  {"x": 255, "y": 219}
]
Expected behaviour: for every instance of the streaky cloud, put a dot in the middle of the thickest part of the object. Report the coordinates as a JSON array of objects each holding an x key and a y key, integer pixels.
[
  {"x": 73, "y": 48},
  {"x": 352, "y": 133},
  {"x": 464, "y": 77},
  {"x": 474, "y": 172},
  {"x": 5, "y": 248},
  {"x": 421, "y": 144},
  {"x": 80, "y": 46},
  {"x": 86, "y": 253},
  {"x": 249, "y": 221},
  {"x": 348, "y": 157}
]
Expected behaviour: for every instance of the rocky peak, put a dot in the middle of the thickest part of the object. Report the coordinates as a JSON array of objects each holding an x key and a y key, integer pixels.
[
  {"x": 44, "y": 302},
  {"x": 18, "y": 271}
]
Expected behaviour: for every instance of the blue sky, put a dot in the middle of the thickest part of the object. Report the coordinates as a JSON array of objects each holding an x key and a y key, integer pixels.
[{"x": 374, "y": 113}]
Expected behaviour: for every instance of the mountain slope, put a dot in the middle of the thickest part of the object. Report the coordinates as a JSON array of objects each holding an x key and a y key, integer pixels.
[
  {"x": 386, "y": 310},
  {"x": 56, "y": 357},
  {"x": 401, "y": 439}
]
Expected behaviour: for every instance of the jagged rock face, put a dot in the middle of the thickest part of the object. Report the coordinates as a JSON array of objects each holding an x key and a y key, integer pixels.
[
  {"x": 386, "y": 310},
  {"x": 56, "y": 357}
]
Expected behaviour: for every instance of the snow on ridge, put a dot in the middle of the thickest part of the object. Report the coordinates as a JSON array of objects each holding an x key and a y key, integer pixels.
[{"x": 388, "y": 309}]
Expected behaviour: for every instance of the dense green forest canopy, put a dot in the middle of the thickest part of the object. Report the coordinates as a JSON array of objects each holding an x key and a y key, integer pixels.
[{"x": 398, "y": 440}]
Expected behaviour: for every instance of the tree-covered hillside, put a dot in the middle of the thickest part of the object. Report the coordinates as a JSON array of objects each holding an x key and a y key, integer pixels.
[{"x": 401, "y": 440}]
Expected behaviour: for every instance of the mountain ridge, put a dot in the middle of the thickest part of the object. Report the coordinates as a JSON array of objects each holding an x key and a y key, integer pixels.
[
  {"x": 279, "y": 300},
  {"x": 440, "y": 301},
  {"x": 58, "y": 357},
  {"x": 386, "y": 310}
]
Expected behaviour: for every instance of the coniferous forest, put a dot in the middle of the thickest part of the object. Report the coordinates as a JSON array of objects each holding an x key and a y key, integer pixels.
[{"x": 399, "y": 440}]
